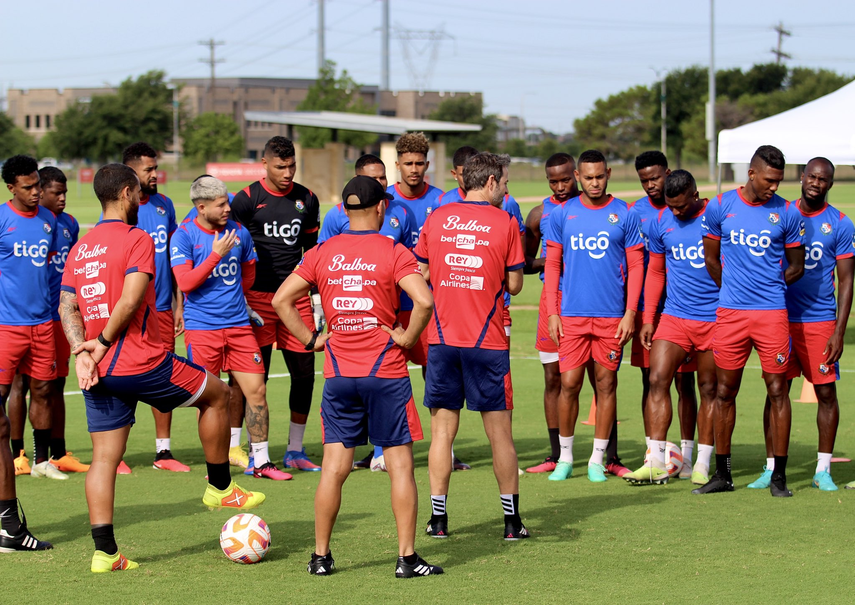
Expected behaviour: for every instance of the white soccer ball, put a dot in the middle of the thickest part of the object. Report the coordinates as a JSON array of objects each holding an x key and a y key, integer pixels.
[
  {"x": 673, "y": 459},
  {"x": 245, "y": 538}
]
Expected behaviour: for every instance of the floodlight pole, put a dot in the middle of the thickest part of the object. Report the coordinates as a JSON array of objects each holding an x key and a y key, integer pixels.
[
  {"x": 711, "y": 129},
  {"x": 384, "y": 55},
  {"x": 321, "y": 28},
  {"x": 175, "y": 106}
]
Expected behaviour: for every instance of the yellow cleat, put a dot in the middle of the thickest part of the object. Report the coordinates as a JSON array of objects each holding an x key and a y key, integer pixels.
[
  {"x": 647, "y": 474},
  {"x": 70, "y": 464},
  {"x": 102, "y": 562},
  {"x": 232, "y": 497},
  {"x": 22, "y": 464},
  {"x": 238, "y": 456}
]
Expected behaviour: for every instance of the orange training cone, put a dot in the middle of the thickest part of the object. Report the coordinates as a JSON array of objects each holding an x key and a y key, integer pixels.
[
  {"x": 808, "y": 394},
  {"x": 592, "y": 414}
]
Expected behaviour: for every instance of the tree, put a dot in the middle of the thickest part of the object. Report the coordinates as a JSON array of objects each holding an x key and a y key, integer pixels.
[
  {"x": 547, "y": 147},
  {"x": 517, "y": 148},
  {"x": 618, "y": 126},
  {"x": 13, "y": 140},
  {"x": 140, "y": 110},
  {"x": 212, "y": 137},
  {"x": 331, "y": 94},
  {"x": 467, "y": 110}
]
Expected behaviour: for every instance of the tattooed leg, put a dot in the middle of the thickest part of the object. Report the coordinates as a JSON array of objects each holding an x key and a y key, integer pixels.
[{"x": 257, "y": 415}]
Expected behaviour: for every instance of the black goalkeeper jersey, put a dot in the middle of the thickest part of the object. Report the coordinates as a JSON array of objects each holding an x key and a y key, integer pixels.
[{"x": 282, "y": 225}]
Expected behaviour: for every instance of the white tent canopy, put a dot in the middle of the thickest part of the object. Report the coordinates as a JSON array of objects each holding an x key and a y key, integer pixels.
[{"x": 822, "y": 127}]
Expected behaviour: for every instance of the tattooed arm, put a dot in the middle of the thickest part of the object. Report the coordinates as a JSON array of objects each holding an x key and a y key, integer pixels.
[{"x": 72, "y": 325}]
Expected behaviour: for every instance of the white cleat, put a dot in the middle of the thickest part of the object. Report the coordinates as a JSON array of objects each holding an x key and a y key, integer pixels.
[
  {"x": 46, "y": 469},
  {"x": 378, "y": 464}
]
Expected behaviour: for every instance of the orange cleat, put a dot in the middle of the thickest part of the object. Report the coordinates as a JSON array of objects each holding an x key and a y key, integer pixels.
[
  {"x": 70, "y": 464},
  {"x": 22, "y": 464},
  {"x": 123, "y": 469}
]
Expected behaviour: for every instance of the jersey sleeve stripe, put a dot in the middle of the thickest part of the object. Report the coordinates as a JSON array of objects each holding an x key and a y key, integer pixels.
[
  {"x": 794, "y": 245},
  {"x": 73, "y": 290},
  {"x": 842, "y": 256},
  {"x": 132, "y": 270},
  {"x": 711, "y": 236},
  {"x": 635, "y": 247},
  {"x": 313, "y": 230},
  {"x": 516, "y": 267}
]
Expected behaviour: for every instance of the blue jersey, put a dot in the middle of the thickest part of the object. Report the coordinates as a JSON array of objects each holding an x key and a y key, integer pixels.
[
  {"x": 691, "y": 292},
  {"x": 451, "y": 196},
  {"x": 27, "y": 243},
  {"x": 549, "y": 206},
  {"x": 511, "y": 206},
  {"x": 157, "y": 218},
  {"x": 595, "y": 241},
  {"x": 421, "y": 206},
  {"x": 647, "y": 213},
  {"x": 829, "y": 236},
  {"x": 67, "y": 232},
  {"x": 218, "y": 303},
  {"x": 753, "y": 238}
]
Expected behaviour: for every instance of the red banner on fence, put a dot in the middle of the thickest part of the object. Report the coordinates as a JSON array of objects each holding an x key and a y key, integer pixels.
[
  {"x": 230, "y": 173},
  {"x": 85, "y": 175}
]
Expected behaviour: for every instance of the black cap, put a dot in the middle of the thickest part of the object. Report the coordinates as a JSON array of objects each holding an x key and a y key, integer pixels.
[{"x": 368, "y": 190}]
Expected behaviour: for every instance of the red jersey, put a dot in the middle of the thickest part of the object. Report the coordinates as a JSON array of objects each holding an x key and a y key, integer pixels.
[
  {"x": 95, "y": 272},
  {"x": 469, "y": 246},
  {"x": 357, "y": 275}
]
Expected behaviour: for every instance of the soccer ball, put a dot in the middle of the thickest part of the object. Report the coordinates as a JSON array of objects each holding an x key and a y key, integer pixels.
[
  {"x": 245, "y": 538},
  {"x": 673, "y": 459}
]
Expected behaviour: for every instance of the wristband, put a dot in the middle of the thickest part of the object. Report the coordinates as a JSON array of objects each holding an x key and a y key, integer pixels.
[
  {"x": 311, "y": 345},
  {"x": 104, "y": 341}
]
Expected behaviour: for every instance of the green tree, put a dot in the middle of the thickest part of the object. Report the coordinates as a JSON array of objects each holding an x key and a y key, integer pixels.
[
  {"x": 13, "y": 140},
  {"x": 547, "y": 147},
  {"x": 212, "y": 137},
  {"x": 517, "y": 148},
  {"x": 467, "y": 109},
  {"x": 618, "y": 126},
  {"x": 329, "y": 93}
]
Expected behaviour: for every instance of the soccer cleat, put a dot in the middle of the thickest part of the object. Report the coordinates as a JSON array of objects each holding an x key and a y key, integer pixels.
[
  {"x": 269, "y": 471},
  {"x": 778, "y": 487},
  {"x": 850, "y": 485},
  {"x": 513, "y": 533},
  {"x": 165, "y": 462},
  {"x": 700, "y": 474},
  {"x": 321, "y": 566},
  {"x": 250, "y": 466},
  {"x": 238, "y": 457},
  {"x": 46, "y": 469},
  {"x": 24, "y": 541},
  {"x": 123, "y": 469},
  {"x": 685, "y": 471},
  {"x": 715, "y": 485},
  {"x": 378, "y": 464},
  {"x": 69, "y": 464},
  {"x": 763, "y": 481},
  {"x": 614, "y": 467},
  {"x": 647, "y": 474},
  {"x": 562, "y": 471},
  {"x": 299, "y": 460},
  {"x": 520, "y": 472},
  {"x": 102, "y": 562},
  {"x": 364, "y": 463},
  {"x": 437, "y": 527},
  {"x": 233, "y": 496},
  {"x": 597, "y": 473},
  {"x": 458, "y": 465},
  {"x": 824, "y": 482},
  {"x": 419, "y": 568},
  {"x": 547, "y": 466},
  {"x": 22, "y": 464}
]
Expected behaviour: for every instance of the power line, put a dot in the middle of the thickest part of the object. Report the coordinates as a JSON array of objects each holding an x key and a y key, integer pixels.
[{"x": 420, "y": 77}]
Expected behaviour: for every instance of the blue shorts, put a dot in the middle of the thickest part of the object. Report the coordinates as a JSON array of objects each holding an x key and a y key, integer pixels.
[
  {"x": 480, "y": 376},
  {"x": 380, "y": 409},
  {"x": 174, "y": 383}
]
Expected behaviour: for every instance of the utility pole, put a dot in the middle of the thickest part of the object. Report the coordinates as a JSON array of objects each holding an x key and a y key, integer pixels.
[
  {"x": 779, "y": 54},
  {"x": 711, "y": 130},
  {"x": 321, "y": 28},
  {"x": 384, "y": 48},
  {"x": 212, "y": 62},
  {"x": 663, "y": 112}
]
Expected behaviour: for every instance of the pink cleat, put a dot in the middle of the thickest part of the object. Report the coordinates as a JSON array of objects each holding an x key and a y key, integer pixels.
[
  {"x": 269, "y": 471},
  {"x": 547, "y": 466},
  {"x": 123, "y": 469},
  {"x": 617, "y": 469},
  {"x": 164, "y": 461}
]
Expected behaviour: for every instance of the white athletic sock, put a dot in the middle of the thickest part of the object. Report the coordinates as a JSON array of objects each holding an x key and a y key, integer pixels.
[
  {"x": 234, "y": 441},
  {"x": 378, "y": 451},
  {"x": 657, "y": 453},
  {"x": 508, "y": 505},
  {"x": 770, "y": 464},
  {"x": 647, "y": 441},
  {"x": 687, "y": 447},
  {"x": 437, "y": 505},
  {"x": 600, "y": 446},
  {"x": 565, "y": 452},
  {"x": 161, "y": 445},
  {"x": 823, "y": 462},
  {"x": 259, "y": 454},
  {"x": 295, "y": 436},
  {"x": 705, "y": 452}
]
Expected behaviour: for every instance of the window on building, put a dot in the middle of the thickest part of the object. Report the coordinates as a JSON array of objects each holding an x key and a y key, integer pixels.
[
  {"x": 47, "y": 120},
  {"x": 38, "y": 121},
  {"x": 27, "y": 122}
]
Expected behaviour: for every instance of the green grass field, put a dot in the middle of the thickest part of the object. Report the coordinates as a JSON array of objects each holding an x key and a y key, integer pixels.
[{"x": 592, "y": 543}]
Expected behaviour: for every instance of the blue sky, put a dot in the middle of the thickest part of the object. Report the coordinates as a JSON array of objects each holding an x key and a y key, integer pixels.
[{"x": 549, "y": 59}]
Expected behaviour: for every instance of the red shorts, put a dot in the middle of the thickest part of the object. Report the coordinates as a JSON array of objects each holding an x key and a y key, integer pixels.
[
  {"x": 166, "y": 323},
  {"x": 586, "y": 338},
  {"x": 543, "y": 342},
  {"x": 63, "y": 349},
  {"x": 229, "y": 349},
  {"x": 418, "y": 354},
  {"x": 736, "y": 331},
  {"x": 809, "y": 340},
  {"x": 274, "y": 331},
  {"x": 28, "y": 350}
]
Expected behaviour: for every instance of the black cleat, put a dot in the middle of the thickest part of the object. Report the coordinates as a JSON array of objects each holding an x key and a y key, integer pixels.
[
  {"x": 458, "y": 465},
  {"x": 715, "y": 485},
  {"x": 513, "y": 532},
  {"x": 778, "y": 487},
  {"x": 417, "y": 569},
  {"x": 437, "y": 527},
  {"x": 364, "y": 463},
  {"x": 24, "y": 541},
  {"x": 321, "y": 566}
]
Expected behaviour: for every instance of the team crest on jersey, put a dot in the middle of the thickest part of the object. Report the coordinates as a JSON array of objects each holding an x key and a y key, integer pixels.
[
  {"x": 393, "y": 222},
  {"x": 823, "y": 369},
  {"x": 612, "y": 355},
  {"x": 774, "y": 218},
  {"x": 780, "y": 358},
  {"x": 300, "y": 206},
  {"x": 256, "y": 357},
  {"x": 237, "y": 242},
  {"x": 613, "y": 219},
  {"x": 429, "y": 210},
  {"x": 66, "y": 234},
  {"x": 161, "y": 211},
  {"x": 47, "y": 228},
  {"x": 825, "y": 228}
]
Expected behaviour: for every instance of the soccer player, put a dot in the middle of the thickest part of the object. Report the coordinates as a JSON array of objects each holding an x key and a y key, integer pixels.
[
  {"x": 283, "y": 218},
  {"x": 214, "y": 262},
  {"x": 471, "y": 253},
  {"x": 686, "y": 325},
  {"x": 598, "y": 241},
  {"x": 817, "y": 321},
  {"x": 458, "y": 160},
  {"x": 157, "y": 218},
  {"x": 107, "y": 306},
  {"x": 652, "y": 169},
  {"x": 28, "y": 243},
  {"x": 748, "y": 232},
  {"x": 367, "y": 391}
]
